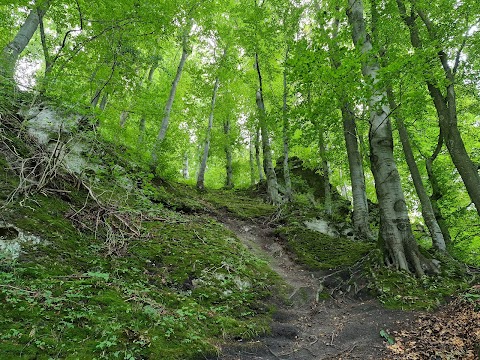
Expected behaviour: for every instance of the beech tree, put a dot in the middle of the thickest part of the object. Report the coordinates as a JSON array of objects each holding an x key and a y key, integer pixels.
[
  {"x": 272, "y": 184},
  {"x": 355, "y": 162},
  {"x": 395, "y": 228},
  {"x": 203, "y": 164},
  {"x": 14, "y": 48},
  {"x": 171, "y": 97},
  {"x": 443, "y": 94},
  {"x": 427, "y": 209}
]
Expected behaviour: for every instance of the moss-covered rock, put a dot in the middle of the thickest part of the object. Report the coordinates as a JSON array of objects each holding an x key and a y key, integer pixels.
[{"x": 320, "y": 251}]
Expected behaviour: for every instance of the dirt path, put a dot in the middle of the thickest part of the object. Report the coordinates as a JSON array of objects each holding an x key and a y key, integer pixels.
[{"x": 309, "y": 328}]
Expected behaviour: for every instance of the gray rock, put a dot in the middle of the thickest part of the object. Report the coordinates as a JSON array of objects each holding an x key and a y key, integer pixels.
[{"x": 12, "y": 238}]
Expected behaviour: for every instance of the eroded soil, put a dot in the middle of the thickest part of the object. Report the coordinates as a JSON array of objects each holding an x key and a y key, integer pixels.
[{"x": 307, "y": 327}]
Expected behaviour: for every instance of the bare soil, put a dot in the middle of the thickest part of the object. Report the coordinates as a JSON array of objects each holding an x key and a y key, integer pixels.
[{"x": 306, "y": 327}]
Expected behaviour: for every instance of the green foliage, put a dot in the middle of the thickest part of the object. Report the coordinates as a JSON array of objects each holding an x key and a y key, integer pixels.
[{"x": 107, "y": 48}]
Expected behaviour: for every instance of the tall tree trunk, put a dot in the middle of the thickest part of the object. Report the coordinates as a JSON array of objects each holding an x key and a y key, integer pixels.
[
  {"x": 124, "y": 115},
  {"x": 361, "y": 223},
  {"x": 286, "y": 168},
  {"x": 143, "y": 120},
  {"x": 13, "y": 49},
  {"x": 399, "y": 245},
  {"x": 445, "y": 105},
  {"x": 326, "y": 171},
  {"x": 228, "y": 155},
  {"x": 185, "y": 172},
  {"x": 257, "y": 154},
  {"x": 252, "y": 161},
  {"x": 426, "y": 205},
  {"x": 436, "y": 191},
  {"x": 171, "y": 97},
  {"x": 141, "y": 130},
  {"x": 96, "y": 98},
  {"x": 203, "y": 163},
  {"x": 103, "y": 102},
  {"x": 357, "y": 177},
  {"x": 272, "y": 185},
  {"x": 48, "y": 63},
  {"x": 168, "y": 106}
]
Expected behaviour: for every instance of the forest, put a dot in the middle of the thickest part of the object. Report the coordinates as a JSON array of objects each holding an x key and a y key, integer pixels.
[{"x": 164, "y": 162}]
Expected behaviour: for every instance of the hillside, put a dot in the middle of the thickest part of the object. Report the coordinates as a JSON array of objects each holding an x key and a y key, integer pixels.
[{"x": 115, "y": 263}]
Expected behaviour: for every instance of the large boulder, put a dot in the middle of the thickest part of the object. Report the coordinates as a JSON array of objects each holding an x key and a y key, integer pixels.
[{"x": 311, "y": 181}]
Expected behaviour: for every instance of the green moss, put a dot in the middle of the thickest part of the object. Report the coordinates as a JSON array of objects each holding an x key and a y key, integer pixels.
[
  {"x": 186, "y": 283},
  {"x": 239, "y": 204},
  {"x": 399, "y": 290},
  {"x": 320, "y": 251}
]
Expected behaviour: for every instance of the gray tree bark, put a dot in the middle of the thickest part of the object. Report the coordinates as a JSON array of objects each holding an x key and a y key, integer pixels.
[
  {"x": 286, "y": 168},
  {"x": 426, "y": 205},
  {"x": 252, "y": 161},
  {"x": 228, "y": 155},
  {"x": 325, "y": 170},
  {"x": 445, "y": 105},
  {"x": 396, "y": 234},
  {"x": 272, "y": 185},
  {"x": 13, "y": 49},
  {"x": 257, "y": 155},
  {"x": 171, "y": 97},
  {"x": 203, "y": 163},
  {"x": 124, "y": 115},
  {"x": 143, "y": 120},
  {"x": 360, "y": 214},
  {"x": 103, "y": 102},
  {"x": 168, "y": 106},
  {"x": 185, "y": 170},
  {"x": 43, "y": 38},
  {"x": 437, "y": 192},
  {"x": 357, "y": 175}
]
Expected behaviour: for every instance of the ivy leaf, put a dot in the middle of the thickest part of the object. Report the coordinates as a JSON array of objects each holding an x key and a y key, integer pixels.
[
  {"x": 99, "y": 275},
  {"x": 389, "y": 338}
]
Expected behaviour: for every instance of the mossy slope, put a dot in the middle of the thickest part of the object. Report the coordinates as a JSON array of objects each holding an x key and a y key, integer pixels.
[{"x": 173, "y": 292}]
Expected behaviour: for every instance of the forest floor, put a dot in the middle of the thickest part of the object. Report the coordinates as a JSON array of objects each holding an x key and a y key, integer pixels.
[{"x": 307, "y": 327}]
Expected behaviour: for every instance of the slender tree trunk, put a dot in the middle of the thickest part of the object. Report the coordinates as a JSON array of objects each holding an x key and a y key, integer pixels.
[
  {"x": 228, "y": 155},
  {"x": 203, "y": 164},
  {"x": 286, "y": 168},
  {"x": 400, "y": 247},
  {"x": 168, "y": 106},
  {"x": 96, "y": 98},
  {"x": 445, "y": 105},
  {"x": 272, "y": 185},
  {"x": 252, "y": 161},
  {"x": 257, "y": 154},
  {"x": 426, "y": 205},
  {"x": 46, "y": 54},
  {"x": 360, "y": 214},
  {"x": 326, "y": 171},
  {"x": 436, "y": 191},
  {"x": 103, "y": 102},
  {"x": 344, "y": 187},
  {"x": 171, "y": 97},
  {"x": 12, "y": 50},
  {"x": 185, "y": 171},
  {"x": 124, "y": 115},
  {"x": 357, "y": 176},
  {"x": 143, "y": 120}
]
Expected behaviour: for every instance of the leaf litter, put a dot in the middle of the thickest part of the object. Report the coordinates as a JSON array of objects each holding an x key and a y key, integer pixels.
[{"x": 452, "y": 332}]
